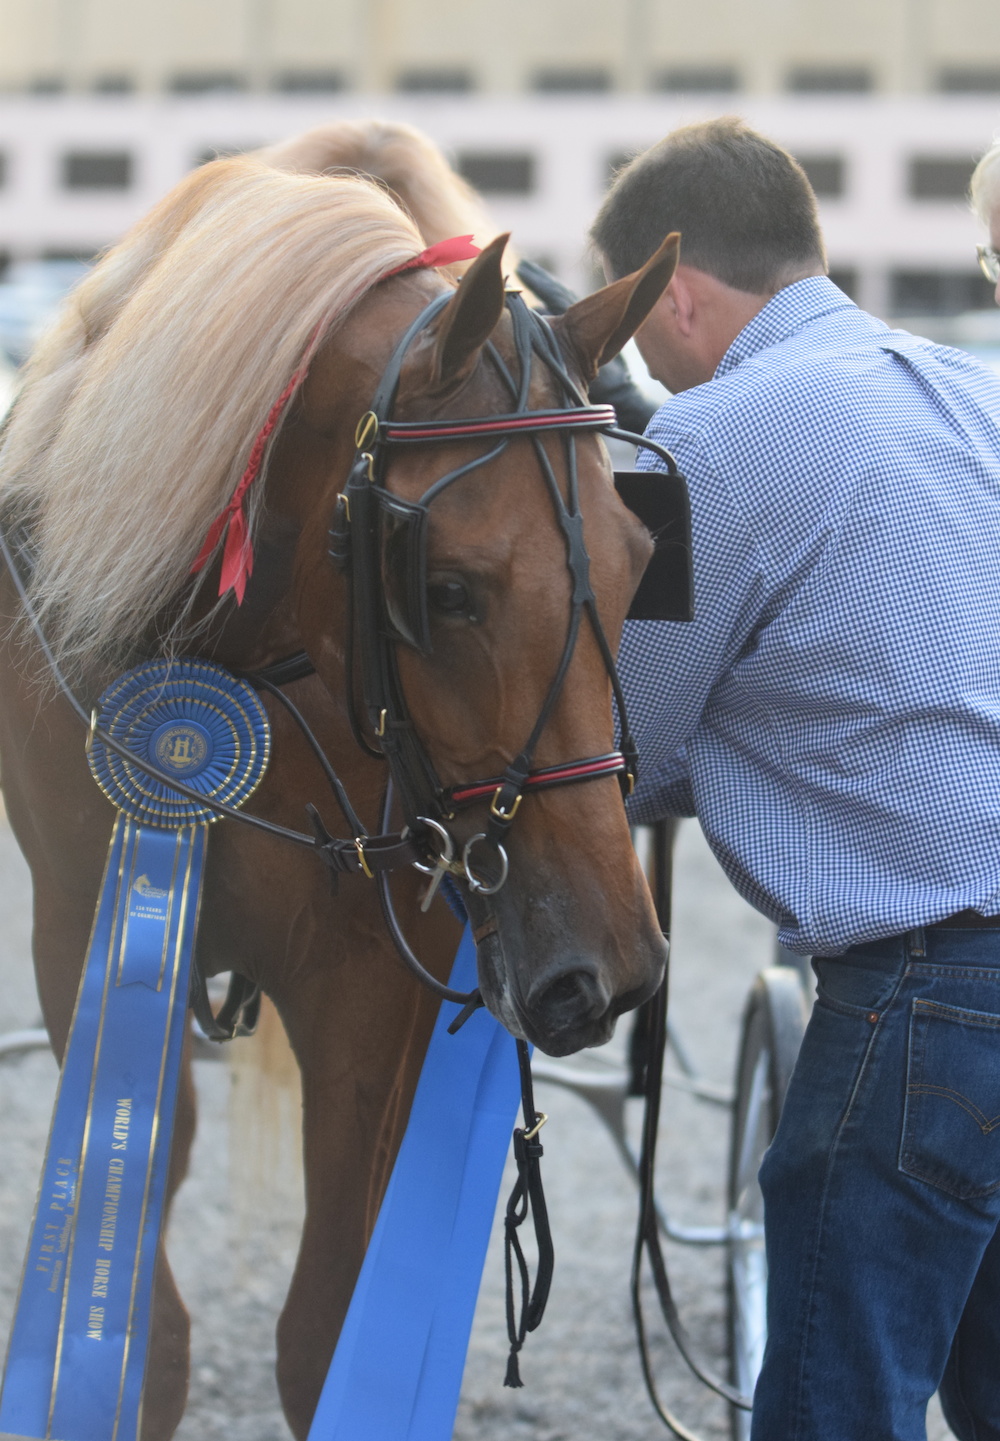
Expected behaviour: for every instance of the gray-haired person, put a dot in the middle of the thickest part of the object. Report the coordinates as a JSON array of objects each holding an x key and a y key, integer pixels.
[
  {"x": 832, "y": 717},
  {"x": 985, "y": 190}
]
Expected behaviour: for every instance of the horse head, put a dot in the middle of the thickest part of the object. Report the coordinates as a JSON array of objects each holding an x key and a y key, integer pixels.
[{"x": 526, "y": 562}]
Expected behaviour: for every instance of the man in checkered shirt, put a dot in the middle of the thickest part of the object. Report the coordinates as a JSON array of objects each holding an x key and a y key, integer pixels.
[{"x": 832, "y": 717}]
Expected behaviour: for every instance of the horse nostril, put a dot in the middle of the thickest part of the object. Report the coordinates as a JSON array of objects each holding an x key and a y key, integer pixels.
[{"x": 571, "y": 999}]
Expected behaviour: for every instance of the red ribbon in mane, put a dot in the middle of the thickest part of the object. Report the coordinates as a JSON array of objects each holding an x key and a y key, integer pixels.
[
  {"x": 237, "y": 554},
  {"x": 445, "y": 252}
]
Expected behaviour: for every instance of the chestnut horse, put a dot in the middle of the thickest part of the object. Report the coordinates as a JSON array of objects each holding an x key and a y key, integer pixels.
[{"x": 136, "y": 419}]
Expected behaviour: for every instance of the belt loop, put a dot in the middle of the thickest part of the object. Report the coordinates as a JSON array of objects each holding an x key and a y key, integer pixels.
[{"x": 916, "y": 942}]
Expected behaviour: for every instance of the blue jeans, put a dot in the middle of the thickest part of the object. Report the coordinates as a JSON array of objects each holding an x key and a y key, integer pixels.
[{"x": 882, "y": 1200}]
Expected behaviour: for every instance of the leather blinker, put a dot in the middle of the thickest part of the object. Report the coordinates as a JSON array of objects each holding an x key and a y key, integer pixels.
[
  {"x": 404, "y": 570},
  {"x": 666, "y": 590}
]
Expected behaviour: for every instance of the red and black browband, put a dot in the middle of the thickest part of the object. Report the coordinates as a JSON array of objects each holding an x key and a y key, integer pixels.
[{"x": 584, "y": 417}]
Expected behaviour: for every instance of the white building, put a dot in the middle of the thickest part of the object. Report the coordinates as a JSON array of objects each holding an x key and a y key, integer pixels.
[
  {"x": 891, "y": 171},
  {"x": 104, "y": 104}
]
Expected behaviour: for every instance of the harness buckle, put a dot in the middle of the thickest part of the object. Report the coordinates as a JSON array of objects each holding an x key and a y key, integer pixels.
[
  {"x": 497, "y": 810},
  {"x": 359, "y": 846},
  {"x": 540, "y": 1119},
  {"x": 380, "y": 728},
  {"x": 367, "y": 430}
]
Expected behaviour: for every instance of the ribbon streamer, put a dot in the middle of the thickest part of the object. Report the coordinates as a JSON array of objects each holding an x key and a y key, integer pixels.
[
  {"x": 397, "y": 1370},
  {"x": 77, "y": 1351},
  {"x": 77, "y": 1356}
]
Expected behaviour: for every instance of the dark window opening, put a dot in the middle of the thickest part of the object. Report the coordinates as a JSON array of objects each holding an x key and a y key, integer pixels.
[
  {"x": 697, "y": 79},
  {"x": 830, "y": 79},
  {"x": 584, "y": 81},
  {"x": 970, "y": 80},
  {"x": 938, "y": 292},
  {"x": 442, "y": 81},
  {"x": 939, "y": 177},
  {"x": 114, "y": 85},
  {"x": 497, "y": 172},
  {"x": 223, "y": 152},
  {"x": 47, "y": 85},
  {"x": 847, "y": 279},
  {"x": 207, "y": 82},
  {"x": 310, "y": 82},
  {"x": 825, "y": 173},
  {"x": 97, "y": 170},
  {"x": 75, "y": 257}
]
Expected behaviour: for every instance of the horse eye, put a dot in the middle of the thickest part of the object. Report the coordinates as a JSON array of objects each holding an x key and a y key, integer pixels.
[{"x": 450, "y": 597}]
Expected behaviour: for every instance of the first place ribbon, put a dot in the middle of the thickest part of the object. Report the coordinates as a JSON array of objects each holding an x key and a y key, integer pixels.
[{"x": 77, "y": 1356}]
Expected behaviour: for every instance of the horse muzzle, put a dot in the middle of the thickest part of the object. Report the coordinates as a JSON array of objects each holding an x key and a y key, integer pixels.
[
  {"x": 568, "y": 1007},
  {"x": 567, "y": 1004}
]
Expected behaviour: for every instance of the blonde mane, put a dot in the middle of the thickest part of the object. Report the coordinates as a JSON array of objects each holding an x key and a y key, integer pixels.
[
  {"x": 440, "y": 202},
  {"x": 141, "y": 405}
]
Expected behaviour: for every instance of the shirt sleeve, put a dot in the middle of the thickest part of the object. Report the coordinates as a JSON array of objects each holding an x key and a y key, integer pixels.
[{"x": 669, "y": 668}]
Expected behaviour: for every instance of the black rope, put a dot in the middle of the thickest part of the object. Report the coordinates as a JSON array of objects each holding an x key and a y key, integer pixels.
[{"x": 526, "y": 1196}]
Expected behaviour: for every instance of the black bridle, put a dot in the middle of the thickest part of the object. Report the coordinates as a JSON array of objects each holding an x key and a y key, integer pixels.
[{"x": 381, "y": 541}]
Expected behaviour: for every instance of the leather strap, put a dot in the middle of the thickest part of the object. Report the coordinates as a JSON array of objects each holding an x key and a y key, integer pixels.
[
  {"x": 284, "y": 671},
  {"x": 239, "y": 1012},
  {"x": 966, "y": 921}
]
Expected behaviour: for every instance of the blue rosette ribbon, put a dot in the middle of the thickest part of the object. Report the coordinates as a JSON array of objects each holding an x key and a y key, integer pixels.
[{"x": 77, "y": 1355}]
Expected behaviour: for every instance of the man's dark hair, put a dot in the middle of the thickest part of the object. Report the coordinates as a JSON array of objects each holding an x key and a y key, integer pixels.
[{"x": 745, "y": 210}]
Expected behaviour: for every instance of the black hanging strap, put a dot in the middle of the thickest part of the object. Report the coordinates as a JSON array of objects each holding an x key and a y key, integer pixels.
[
  {"x": 238, "y": 1014},
  {"x": 526, "y": 1195},
  {"x": 647, "y": 1238}
]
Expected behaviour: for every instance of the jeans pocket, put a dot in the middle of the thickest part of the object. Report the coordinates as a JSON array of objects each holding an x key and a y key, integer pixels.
[
  {"x": 851, "y": 988},
  {"x": 951, "y": 1124}
]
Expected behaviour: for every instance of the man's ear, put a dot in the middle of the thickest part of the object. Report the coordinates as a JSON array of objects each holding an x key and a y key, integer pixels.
[
  {"x": 593, "y": 331},
  {"x": 680, "y": 299},
  {"x": 470, "y": 317}
]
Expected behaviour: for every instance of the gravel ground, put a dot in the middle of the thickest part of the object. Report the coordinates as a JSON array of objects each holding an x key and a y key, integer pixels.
[{"x": 233, "y": 1233}]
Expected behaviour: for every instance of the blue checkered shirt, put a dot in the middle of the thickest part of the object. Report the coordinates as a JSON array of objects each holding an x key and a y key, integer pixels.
[{"x": 832, "y": 714}]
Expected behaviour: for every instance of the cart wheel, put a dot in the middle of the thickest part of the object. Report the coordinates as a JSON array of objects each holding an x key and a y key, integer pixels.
[{"x": 773, "y": 1023}]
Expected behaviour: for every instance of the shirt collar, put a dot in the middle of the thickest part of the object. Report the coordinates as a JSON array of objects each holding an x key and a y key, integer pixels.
[{"x": 782, "y": 316}]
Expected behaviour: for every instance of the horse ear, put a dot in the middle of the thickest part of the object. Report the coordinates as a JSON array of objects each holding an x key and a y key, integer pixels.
[
  {"x": 594, "y": 330},
  {"x": 470, "y": 317}
]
